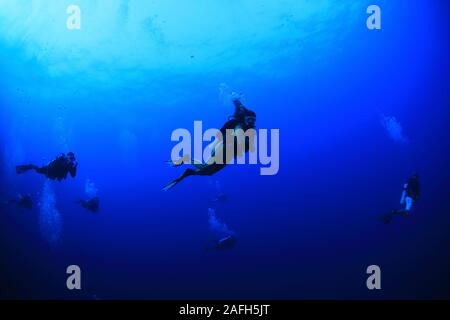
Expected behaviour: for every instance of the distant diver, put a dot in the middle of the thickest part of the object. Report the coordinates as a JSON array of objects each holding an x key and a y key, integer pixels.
[
  {"x": 225, "y": 243},
  {"x": 243, "y": 119},
  {"x": 22, "y": 201},
  {"x": 92, "y": 205},
  {"x": 410, "y": 195},
  {"x": 58, "y": 169}
]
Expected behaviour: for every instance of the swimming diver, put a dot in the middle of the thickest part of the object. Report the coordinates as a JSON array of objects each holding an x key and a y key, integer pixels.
[
  {"x": 22, "y": 201},
  {"x": 410, "y": 195},
  {"x": 58, "y": 169},
  {"x": 243, "y": 119},
  {"x": 226, "y": 243},
  {"x": 92, "y": 205}
]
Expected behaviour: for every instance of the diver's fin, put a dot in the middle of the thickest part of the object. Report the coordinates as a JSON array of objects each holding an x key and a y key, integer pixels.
[
  {"x": 169, "y": 186},
  {"x": 23, "y": 169},
  {"x": 387, "y": 218}
]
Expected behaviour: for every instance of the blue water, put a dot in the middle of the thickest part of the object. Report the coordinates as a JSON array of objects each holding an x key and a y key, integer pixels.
[{"x": 358, "y": 111}]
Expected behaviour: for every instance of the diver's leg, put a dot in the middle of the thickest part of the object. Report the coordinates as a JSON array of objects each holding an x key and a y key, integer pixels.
[
  {"x": 41, "y": 170},
  {"x": 210, "y": 169},
  {"x": 173, "y": 183},
  {"x": 198, "y": 165},
  {"x": 185, "y": 160},
  {"x": 24, "y": 168},
  {"x": 217, "y": 154},
  {"x": 408, "y": 201},
  {"x": 206, "y": 170},
  {"x": 195, "y": 163},
  {"x": 408, "y": 205},
  {"x": 388, "y": 217},
  {"x": 178, "y": 162}
]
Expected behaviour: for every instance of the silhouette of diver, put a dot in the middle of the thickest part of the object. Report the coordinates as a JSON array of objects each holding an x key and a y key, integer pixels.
[
  {"x": 243, "y": 119},
  {"x": 58, "y": 169},
  {"x": 92, "y": 205},
  {"x": 225, "y": 243},
  {"x": 22, "y": 201},
  {"x": 410, "y": 195}
]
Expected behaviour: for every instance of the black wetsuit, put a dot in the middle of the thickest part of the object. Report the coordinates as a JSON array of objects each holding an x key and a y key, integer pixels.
[
  {"x": 413, "y": 188},
  {"x": 58, "y": 169},
  {"x": 238, "y": 119},
  {"x": 92, "y": 205}
]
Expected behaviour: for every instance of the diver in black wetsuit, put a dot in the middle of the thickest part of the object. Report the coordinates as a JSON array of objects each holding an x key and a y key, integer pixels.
[
  {"x": 92, "y": 205},
  {"x": 243, "y": 119},
  {"x": 58, "y": 169},
  {"x": 410, "y": 195},
  {"x": 226, "y": 243}
]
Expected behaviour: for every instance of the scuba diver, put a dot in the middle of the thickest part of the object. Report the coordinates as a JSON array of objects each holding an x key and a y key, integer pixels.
[
  {"x": 410, "y": 195},
  {"x": 22, "y": 201},
  {"x": 225, "y": 243},
  {"x": 92, "y": 205},
  {"x": 58, "y": 169},
  {"x": 243, "y": 119}
]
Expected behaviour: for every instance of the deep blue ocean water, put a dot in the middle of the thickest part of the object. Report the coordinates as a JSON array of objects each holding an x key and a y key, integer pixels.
[{"x": 358, "y": 111}]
